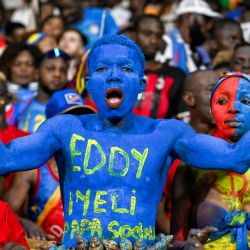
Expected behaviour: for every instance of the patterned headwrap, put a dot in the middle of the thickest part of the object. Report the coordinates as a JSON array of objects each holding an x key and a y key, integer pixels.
[{"x": 225, "y": 76}]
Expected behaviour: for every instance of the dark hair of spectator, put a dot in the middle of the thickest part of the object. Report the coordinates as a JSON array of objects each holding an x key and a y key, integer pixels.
[
  {"x": 141, "y": 18},
  {"x": 220, "y": 65},
  {"x": 222, "y": 24},
  {"x": 84, "y": 39},
  {"x": 10, "y": 27},
  {"x": 243, "y": 44},
  {"x": 51, "y": 17},
  {"x": 12, "y": 52}
]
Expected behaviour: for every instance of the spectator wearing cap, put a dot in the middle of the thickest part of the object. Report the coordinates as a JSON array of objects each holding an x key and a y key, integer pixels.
[
  {"x": 52, "y": 76},
  {"x": 43, "y": 41},
  {"x": 194, "y": 20},
  {"x": 67, "y": 101},
  {"x": 46, "y": 197}
]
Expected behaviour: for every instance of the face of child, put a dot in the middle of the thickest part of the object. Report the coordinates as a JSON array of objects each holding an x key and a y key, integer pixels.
[
  {"x": 71, "y": 43},
  {"x": 231, "y": 107}
]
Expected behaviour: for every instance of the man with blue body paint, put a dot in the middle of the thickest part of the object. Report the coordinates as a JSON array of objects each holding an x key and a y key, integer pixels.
[{"x": 113, "y": 164}]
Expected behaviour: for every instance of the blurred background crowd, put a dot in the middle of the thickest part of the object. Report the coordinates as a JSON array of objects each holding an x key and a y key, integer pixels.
[{"x": 43, "y": 50}]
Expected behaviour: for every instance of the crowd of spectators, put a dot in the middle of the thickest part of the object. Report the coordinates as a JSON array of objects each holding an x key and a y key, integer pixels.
[{"x": 43, "y": 49}]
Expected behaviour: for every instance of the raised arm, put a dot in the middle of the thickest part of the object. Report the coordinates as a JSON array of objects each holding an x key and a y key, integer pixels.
[
  {"x": 207, "y": 152},
  {"x": 28, "y": 152}
]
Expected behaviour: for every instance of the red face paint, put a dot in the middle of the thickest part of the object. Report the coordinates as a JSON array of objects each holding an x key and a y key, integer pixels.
[{"x": 223, "y": 107}]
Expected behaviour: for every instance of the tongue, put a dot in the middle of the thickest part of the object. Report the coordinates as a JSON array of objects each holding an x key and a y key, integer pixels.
[{"x": 114, "y": 100}]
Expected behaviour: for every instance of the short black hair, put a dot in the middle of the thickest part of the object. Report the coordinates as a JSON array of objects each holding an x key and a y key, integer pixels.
[
  {"x": 51, "y": 17},
  {"x": 10, "y": 27},
  {"x": 221, "y": 24},
  {"x": 12, "y": 52},
  {"x": 139, "y": 19},
  {"x": 242, "y": 44}
]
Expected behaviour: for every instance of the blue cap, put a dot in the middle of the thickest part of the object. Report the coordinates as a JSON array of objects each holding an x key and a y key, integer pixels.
[{"x": 67, "y": 101}]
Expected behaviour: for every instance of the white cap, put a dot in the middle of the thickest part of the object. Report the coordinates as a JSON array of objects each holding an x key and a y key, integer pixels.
[{"x": 196, "y": 6}]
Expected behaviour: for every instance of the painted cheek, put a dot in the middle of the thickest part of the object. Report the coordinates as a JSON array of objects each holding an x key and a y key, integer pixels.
[
  {"x": 227, "y": 111},
  {"x": 244, "y": 113}
]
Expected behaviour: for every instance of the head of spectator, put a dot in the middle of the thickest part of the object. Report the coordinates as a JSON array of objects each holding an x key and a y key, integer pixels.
[
  {"x": 149, "y": 30},
  {"x": 42, "y": 41},
  {"x": 73, "y": 42},
  {"x": 19, "y": 63},
  {"x": 227, "y": 34},
  {"x": 52, "y": 73},
  {"x": 71, "y": 11},
  {"x": 241, "y": 58},
  {"x": 230, "y": 99},
  {"x": 222, "y": 67},
  {"x": 53, "y": 26},
  {"x": 129, "y": 32},
  {"x": 196, "y": 95},
  {"x": 15, "y": 32},
  {"x": 67, "y": 101},
  {"x": 194, "y": 20}
]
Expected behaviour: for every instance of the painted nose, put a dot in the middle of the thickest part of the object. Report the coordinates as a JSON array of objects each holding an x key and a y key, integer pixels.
[
  {"x": 234, "y": 109},
  {"x": 114, "y": 76}
]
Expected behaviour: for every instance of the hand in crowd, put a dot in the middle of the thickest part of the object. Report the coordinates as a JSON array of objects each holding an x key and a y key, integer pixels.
[
  {"x": 33, "y": 231},
  {"x": 198, "y": 237}
]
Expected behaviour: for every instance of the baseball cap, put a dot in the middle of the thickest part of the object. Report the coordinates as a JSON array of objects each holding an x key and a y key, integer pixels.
[
  {"x": 197, "y": 7},
  {"x": 54, "y": 53},
  {"x": 67, "y": 101}
]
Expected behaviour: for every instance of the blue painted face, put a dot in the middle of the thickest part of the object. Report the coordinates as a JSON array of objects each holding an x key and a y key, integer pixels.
[
  {"x": 115, "y": 81},
  {"x": 242, "y": 107}
]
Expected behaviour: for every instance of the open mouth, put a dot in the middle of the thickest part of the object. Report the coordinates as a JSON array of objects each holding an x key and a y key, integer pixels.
[{"x": 114, "y": 97}]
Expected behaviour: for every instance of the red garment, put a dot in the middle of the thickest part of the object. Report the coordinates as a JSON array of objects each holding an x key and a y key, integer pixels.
[
  {"x": 11, "y": 133},
  {"x": 6, "y": 136},
  {"x": 168, "y": 187},
  {"x": 10, "y": 229}
]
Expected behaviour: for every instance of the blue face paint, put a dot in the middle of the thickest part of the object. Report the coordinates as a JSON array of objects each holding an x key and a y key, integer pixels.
[
  {"x": 115, "y": 81},
  {"x": 242, "y": 107}
]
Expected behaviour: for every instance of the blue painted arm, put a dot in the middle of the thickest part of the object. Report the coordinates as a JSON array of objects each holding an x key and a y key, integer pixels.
[
  {"x": 28, "y": 152},
  {"x": 208, "y": 152}
]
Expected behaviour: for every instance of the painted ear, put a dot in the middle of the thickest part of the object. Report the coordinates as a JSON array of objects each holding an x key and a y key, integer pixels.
[
  {"x": 87, "y": 83},
  {"x": 142, "y": 84},
  {"x": 189, "y": 99}
]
